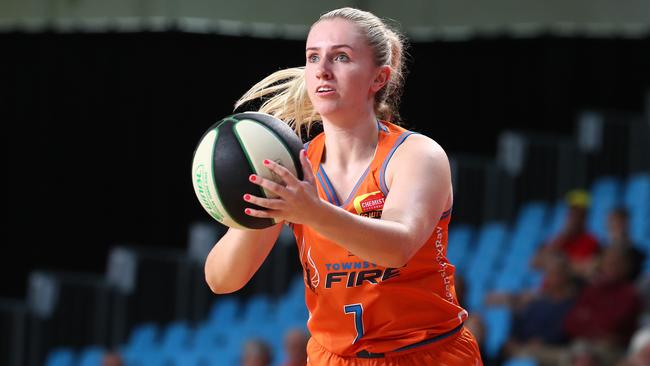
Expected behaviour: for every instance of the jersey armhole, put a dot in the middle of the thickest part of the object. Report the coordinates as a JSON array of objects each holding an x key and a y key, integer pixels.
[{"x": 382, "y": 171}]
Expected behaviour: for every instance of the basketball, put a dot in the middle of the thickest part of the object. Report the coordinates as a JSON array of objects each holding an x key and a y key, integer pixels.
[{"x": 229, "y": 152}]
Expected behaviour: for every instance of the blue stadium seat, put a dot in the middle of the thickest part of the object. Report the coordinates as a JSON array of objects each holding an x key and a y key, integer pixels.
[
  {"x": 143, "y": 337},
  {"x": 556, "y": 219},
  {"x": 605, "y": 195},
  {"x": 225, "y": 311},
  {"x": 187, "y": 358},
  {"x": 60, "y": 357},
  {"x": 214, "y": 357},
  {"x": 490, "y": 242},
  {"x": 637, "y": 201},
  {"x": 258, "y": 309},
  {"x": 637, "y": 190},
  {"x": 458, "y": 246},
  {"x": 297, "y": 287},
  {"x": 291, "y": 312},
  {"x": 485, "y": 257},
  {"x": 528, "y": 233},
  {"x": 497, "y": 324},
  {"x": 91, "y": 356},
  {"x": 208, "y": 336},
  {"x": 521, "y": 361},
  {"x": 175, "y": 337},
  {"x": 145, "y": 358}
]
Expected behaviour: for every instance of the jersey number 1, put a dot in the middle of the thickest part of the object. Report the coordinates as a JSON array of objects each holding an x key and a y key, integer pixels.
[{"x": 357, "y": 311}]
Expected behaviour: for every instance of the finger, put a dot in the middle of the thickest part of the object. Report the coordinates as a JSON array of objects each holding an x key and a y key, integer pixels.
[
  {"x": 287, "y": 177},
  {"x": 307, "y": 170},
  {"x": 265, "y": 214},
  {"x": 268, "y": 184},
  {"x": 270, "y": 203}
]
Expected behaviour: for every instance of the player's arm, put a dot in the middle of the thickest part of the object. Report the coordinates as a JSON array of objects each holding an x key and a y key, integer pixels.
[
  {"x": 236, "y": 257},
  {"x": 419, "y": 179}
]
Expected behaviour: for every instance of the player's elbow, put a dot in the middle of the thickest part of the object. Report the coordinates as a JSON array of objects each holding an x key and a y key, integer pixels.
[
  {"x": 220, "y": 287},
  {"x": 403, "y": 258},
  {"x": 398, "y": 258},
  {"x": 395, "y": 262},
  {"x": 221, "y": 284},
  {"x": 406, "y": 252}
]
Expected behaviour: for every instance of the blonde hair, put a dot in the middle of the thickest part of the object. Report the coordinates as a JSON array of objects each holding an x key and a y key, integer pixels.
[{"x": 284, "y": 92}]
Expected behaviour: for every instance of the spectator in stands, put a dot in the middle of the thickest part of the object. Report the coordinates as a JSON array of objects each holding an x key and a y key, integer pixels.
[
  {"x": 618, "y": 235},
  {"x": 112, "y": 358},
  {"x": 574, "y": 240},
  {"x": 295, "y": 346},
  {"x": 639, "y": 349},
  {"x": 538, "y": 318},
  {"x": 606, "y": 311},
  {"x": 584, "y": 354},
  {"x": 256, "y": 353}
]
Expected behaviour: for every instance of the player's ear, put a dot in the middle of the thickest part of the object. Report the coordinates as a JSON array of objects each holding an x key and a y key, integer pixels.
[{"x": 381, "y": 78}]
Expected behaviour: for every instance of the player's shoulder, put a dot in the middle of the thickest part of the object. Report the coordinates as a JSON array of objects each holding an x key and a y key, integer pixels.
[{"x": 419, "y": 147}]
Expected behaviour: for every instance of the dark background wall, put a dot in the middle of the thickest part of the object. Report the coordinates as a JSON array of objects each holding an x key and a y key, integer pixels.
[{"x": 99, "y": 129}]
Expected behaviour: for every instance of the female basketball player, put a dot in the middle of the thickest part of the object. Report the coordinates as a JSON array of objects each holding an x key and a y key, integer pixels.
[{"x": 370, "y": 216}]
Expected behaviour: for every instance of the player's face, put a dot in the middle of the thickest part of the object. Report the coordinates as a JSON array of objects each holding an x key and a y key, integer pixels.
[{"x": 340, "y": 71}]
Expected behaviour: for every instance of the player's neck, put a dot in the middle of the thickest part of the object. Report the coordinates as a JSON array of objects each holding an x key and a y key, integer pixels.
[{"x": 348, "y": 144}]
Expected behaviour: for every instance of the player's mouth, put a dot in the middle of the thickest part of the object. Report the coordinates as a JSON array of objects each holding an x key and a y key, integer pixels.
[{"x": 325, "y": 90}]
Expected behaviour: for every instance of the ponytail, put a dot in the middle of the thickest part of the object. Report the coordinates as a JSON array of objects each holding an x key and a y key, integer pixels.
[{"x": 285, "y": 97}]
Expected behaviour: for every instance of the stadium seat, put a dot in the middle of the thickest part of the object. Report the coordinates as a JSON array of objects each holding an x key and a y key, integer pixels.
[
  {"x": 143, "y": 337},
  {"x": 497, "y": 323},
  {"x": 458, "y": 246},
  {"x": 145, "y": 358},
  {"x": 521, "y": 361},
  {"x": 224, "y": 311},
  {"x": 175, "y": 337},
  {"x": 480, "y": 273},
  {"x": 490, "y": 241},
  {"x": 60, "y": 357},
  {"x": 557, "y": 217},
  {"x": 208, "y": 337},
  {"x": 526, "y": 237},
  {"x": 215, "y": 357},
  {"x": 258, "y": 309},
  {"x": 187, "y": 358},
  {"x": 91, "y": 356},
  {"x": 605, "y": 195},
  {"x": 637, "y": 201},
  {"x": 291, "y": 313}
]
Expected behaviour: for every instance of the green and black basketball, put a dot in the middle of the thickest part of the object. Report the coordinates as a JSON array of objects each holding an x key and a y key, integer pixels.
[{"x": 229, "y": 152}]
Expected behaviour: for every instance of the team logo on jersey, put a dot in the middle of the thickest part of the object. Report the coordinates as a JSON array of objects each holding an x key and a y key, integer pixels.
[
  {"x": 312, "y": 277},
  {"x": 369, "y": 204},
  {"x": 357, "y": 273}
]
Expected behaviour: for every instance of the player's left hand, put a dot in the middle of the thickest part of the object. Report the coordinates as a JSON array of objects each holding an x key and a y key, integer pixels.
[{"x": 297, "y": 202}]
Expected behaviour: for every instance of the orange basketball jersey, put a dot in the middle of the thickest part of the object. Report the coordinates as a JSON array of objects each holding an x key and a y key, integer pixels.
[{"x": 359, "y": 308}]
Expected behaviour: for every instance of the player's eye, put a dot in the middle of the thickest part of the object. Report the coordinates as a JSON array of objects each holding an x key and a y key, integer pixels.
[
  {"x": 342, "y": 57},
  {"x": 313, "y": 58}
]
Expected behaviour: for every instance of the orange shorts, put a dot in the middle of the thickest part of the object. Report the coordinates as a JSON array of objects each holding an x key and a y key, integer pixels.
[{"x": 458, "y": 350}]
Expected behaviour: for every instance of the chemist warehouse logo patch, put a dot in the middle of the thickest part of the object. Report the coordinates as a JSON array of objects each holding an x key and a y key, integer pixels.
[{"x": 369, "y": 204}]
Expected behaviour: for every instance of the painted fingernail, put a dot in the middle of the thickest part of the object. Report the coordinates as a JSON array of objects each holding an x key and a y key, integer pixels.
[
  {"x": 303, "y": 152},
  {"x": 247, "y": 197},
  {"x": 252, "y": 178},
  {"x": 247, "y": 211},
  {"x": 266, "y": 162}
]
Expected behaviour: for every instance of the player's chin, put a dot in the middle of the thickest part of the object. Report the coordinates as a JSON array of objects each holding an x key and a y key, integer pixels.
[{"x": 326, "y": 108}]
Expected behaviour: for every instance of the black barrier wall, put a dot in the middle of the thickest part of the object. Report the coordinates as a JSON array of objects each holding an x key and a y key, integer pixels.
[{"x": 100, "y": 128}]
